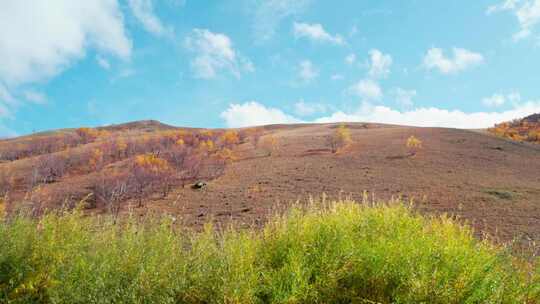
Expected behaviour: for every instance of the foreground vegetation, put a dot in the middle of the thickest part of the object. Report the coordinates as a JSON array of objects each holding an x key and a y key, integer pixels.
[{"x": 325, "y": 253}]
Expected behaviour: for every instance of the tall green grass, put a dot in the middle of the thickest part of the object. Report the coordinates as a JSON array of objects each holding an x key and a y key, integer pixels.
[{"x": 341, "y": 252}]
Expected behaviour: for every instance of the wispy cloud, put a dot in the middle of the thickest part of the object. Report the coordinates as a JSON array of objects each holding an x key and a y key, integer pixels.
[
  {"x": 143, "y": 10},
  {"x": 270, "y": 13},
  {"x": 527, "y": 13},
  {"x": 214, "y": 52},
  {"x": 315, "y": 32},
  {"x": 307, "y": 71}
]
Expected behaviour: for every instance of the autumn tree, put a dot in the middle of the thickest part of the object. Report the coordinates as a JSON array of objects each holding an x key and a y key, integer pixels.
[
  {"x": 340, "y": 139},
  {"x": 96, "y": 161},
  {"x": 149, "y": 172},
  {"x": 87, "y": 135},
  {"x": 230, "y": 139},
  {"x": 48, "y": 169},
  {"x": 270, "y": 143},
  {"x": 413, "y": 145},
  {"x": 110, "y": 189}
]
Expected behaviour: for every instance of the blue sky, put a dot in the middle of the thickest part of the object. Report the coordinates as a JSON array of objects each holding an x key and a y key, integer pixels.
[{"x": 464, "y": 64}]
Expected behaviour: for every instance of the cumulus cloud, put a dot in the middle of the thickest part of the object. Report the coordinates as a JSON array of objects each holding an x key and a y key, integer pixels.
[
  {"x": 303, "y": 108},
  {"x": 270, "y": 13},
  {"x": 404, "y": 98},
  {"x": 366, "y": 89},
  {"x": 463, "y": 59},
  {"x": 307, "y": 71},
  {"x": 527, "y": 13},
  {"x": 315, "y": 32},
  {"x": 214, "y": 52},
  {"x": 253, "y": 113},
  {"x": 55, "y": 34},
  {"x": 379, "y": 64},
  {"x": 434, "y": 117},
  {"x": 143, "y": 10}
]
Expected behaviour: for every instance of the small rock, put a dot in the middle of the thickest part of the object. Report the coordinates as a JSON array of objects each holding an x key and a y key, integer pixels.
[{"x": 199, "y": 185}]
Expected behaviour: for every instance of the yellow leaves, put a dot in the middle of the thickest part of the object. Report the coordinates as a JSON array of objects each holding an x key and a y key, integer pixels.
[
  {"x": 91, "y": 134},
  {"x": 227, "y": 155},
  {"x": 207, "y": 145},
  {"x": 96, "y": 159},
  {"x": 518, "y": 130},
  {"x": 413, "y": 142},
  {"x": 121, "y": 145},
  {"x": 230, "y": 138},
  {"x": 341, "y": 138},
  {"x": 3, "y": 204},
  {"x": 152, "y": 163},
  {"x": 180, "y": 142}
]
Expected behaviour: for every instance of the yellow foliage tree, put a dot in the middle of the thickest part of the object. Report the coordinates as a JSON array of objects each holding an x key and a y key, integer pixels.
[
  {"x": 230, "y": 138},
  {"x": 227, "y": 155},
  {"x": 341, "y": 138},
  {"x": 413, "y": 144},
  {"x": 96, "y": 159},
  {"x": 270, "y": 142}
]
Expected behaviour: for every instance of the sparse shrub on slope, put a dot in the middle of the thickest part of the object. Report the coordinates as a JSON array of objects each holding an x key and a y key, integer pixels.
[
  {"x": 339, "y": 253},
  {"x": 341, "y": 138}
]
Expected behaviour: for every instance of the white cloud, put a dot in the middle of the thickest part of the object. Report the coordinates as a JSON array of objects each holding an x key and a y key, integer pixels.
[
  {"x": 303, "y": 108},
  {"x": 35, "y": 97},
  {"x": 497, "y": 100},
  {"x": 214, "y": 52},
  {"x": 41, "y": 38},
  {"x": 527, "y": 13},
  {"x": 102, "y": 62},
  {"x": 366, "y": 89},
  {"x": 350, "y": 59},
  {"x": 254, "y": 114},
  {"x": 434, "y": 117},
  {"x": 315, "y": 32},
  {"x": 307, "y": 71},
  {"x": 404, "y": 97},
  {"x": 143, "y": 10},
  {"x": 462, "y": 60},
  {"x": 269, "y": 14},
  {"x": 379, "y": 65}
]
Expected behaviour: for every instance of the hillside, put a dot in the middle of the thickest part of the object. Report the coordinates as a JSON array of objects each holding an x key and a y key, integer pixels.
[
  {"x": 489, "y": 181},
  {"x": 526, "y": 129}
]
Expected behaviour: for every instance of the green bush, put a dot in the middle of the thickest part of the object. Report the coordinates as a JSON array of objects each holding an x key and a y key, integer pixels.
[{"x": 326, "y": 253}]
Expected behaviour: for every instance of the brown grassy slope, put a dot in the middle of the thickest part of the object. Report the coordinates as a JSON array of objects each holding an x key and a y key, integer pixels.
[{"x": 490, "y": 181}]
